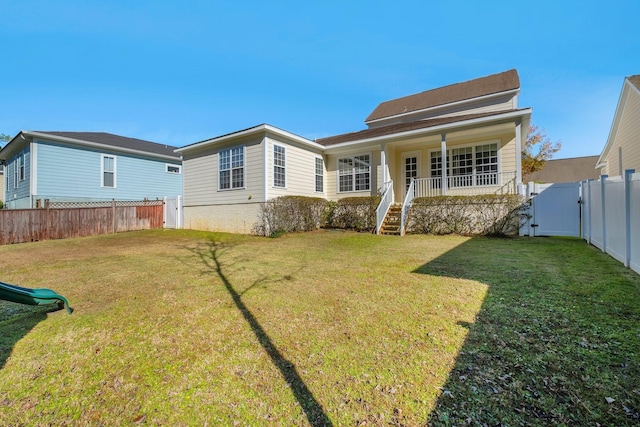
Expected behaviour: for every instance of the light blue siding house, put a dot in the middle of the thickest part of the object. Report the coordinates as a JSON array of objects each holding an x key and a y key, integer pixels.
[{"x": 87, "y": 167}]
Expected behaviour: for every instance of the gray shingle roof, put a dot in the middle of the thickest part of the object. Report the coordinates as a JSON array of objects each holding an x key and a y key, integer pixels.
[
  {"x": 118, "y": 141},
  {"x": 635, "y": 80},
  {"x": 495, "y": 83},
  {"x": 402, "y": 127},
  {"x": 566, "y": 170}
]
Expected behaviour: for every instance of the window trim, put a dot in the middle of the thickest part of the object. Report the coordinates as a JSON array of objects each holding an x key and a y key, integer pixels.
[
  {"x": 15, "y": 173},
  {"x": 283, "y": 167},
  {"x": 22, "y": 168},
  {"x": 231, "y": 168},
  {"x": 353, "y": 173},
  {"x": 171, "y": 165},
  {"x": 474, "y": 173},
  {"x": 115, "y": 170},
  {"x": 315, "y": 174}
]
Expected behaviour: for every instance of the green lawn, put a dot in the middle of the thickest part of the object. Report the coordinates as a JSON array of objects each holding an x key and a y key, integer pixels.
[{"x": 327, "y": 328}]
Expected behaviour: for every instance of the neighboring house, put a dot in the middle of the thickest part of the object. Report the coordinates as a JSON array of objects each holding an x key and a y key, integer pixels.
[
  {"x": 461, "y": 139},
  {"x": 622, "y": 150},
  {"x": 565, "y": 170},
  {"x": 87, "y": 167}
]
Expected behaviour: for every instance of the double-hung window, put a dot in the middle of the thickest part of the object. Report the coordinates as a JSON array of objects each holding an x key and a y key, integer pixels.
[
  {"x": 319, "y": 175},
  {"x": 279, "y": 164},
  {"x": 16, "y": 176},
  {"x": 467, "y": 166},
  {"x": 21, "y": 159},
  {"x": 354, "y": 173},
  {"x": 231, "y": 168},
  {"x": 108, "y": 171}
]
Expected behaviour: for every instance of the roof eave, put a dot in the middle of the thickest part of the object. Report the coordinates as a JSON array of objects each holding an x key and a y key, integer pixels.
[
  {"x": 450, "y": 104},
  {"x": 624, "y": 93},
  {"x": 433, "y": 129},
  {"x": 81, "y": 142},
  {"x": 248, "y": 132}
]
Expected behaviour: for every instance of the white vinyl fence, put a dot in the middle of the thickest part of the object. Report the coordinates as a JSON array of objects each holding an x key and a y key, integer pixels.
[{"x": 611, "y": 216}]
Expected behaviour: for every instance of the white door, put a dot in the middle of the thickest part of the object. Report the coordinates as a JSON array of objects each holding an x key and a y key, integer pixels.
[
  {"x": 410, "y": 169},
  {"x": 555, "y": 210}
]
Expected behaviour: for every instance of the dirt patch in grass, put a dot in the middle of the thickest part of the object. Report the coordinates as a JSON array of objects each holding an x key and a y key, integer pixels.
[{"x": 188, "y": 328}]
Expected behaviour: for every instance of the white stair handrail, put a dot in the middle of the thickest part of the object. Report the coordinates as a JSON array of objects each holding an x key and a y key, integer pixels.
[
  {"x": 385, "y": 202},
  {"x": 406, "y": 205}
]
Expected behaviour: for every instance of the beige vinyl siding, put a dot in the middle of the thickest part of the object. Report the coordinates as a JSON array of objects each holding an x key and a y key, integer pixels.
[
  {"x": 502, "y": 103},
  {"x": 200, "y": 169},
  {"x": 331, "y": 177},
  {"x": 299, "y": 169},
  {"x": 627, "y": 137}
]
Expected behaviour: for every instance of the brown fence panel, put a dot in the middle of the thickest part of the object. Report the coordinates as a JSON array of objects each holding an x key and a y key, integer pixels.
[{"x": 29, "y": 225}]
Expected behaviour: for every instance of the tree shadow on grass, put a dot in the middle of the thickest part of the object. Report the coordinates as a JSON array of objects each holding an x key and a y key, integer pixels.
[
  {"x": 211, "y": 257},
  {"x": 16, "y": 320},
  {"x": 548, "y": 346}
]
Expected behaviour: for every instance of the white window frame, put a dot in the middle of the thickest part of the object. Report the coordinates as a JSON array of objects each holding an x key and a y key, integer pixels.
[
  {"x": 231, "y": 168},
  {"x": 281, "y": 168},
  {"x": 22, "y": 168},
  {"x": 450, "y": 164},
  {"x": 102, "y": 171},
  {"x": 171, "y": 165},
  {"x": 316, "y": 175},
  {"x": 353, "y": 173}
]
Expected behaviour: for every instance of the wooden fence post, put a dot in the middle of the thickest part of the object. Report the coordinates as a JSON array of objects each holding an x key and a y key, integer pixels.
[
  {"x": 47, "y": 220},
  {"x": 113, "y": 213}
]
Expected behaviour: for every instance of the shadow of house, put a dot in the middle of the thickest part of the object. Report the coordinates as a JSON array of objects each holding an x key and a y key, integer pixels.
[
  {"x": 541, "y": 351},
  {"x": 211, "y": 256},
  {"x": 16, "y": 321}
]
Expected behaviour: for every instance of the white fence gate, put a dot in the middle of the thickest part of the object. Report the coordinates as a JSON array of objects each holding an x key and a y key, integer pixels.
[
  {"x": 611, "y": 211},
  {"x": 554, "y": 210},
  {"x": 173, "y": 212}
]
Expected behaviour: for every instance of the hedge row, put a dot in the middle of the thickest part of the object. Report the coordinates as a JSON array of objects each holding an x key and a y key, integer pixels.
[
  {"x": 490, "y": 214},
  {"x": 297, "y": 213}
]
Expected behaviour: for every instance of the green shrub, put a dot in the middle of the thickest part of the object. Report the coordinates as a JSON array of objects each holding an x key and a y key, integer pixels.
[
  {"x": 289, "y": 214},
  {"x": 488, "y": 214},
  {"x": 354, "y": 213}
]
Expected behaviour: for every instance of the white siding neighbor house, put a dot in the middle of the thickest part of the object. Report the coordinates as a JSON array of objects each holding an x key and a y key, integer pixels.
[
  {"x": 622, "y": 150},
  {"x": 462, "y": 139}
]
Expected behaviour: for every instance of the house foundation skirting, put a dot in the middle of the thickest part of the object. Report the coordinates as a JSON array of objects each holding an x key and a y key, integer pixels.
[{"x": 236, "y": 218}]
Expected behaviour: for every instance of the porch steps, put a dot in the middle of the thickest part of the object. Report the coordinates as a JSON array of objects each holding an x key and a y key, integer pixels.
[{"x": 391, "y": 224}]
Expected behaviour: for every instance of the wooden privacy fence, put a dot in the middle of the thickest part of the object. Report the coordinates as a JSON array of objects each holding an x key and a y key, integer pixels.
[{"x": 29, "y": 225}]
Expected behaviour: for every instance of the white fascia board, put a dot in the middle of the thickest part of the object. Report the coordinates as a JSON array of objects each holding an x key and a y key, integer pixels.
[
  {"x": 435, "y": 129},
  {"x": 247, "y": 132},
  {"x": 624, "y": 93},
  {"x": 451, "y": 104},
  {"x": 102, "y": 147}
]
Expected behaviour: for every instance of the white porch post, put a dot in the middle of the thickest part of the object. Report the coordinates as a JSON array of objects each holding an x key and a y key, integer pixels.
[
  {"x": 518, "y": 151},
  {"x": 443, "y": 148},
  {"x": 383, "y": 164}
]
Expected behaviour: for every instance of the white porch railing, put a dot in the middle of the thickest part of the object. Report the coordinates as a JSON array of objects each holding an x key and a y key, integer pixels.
[
  {"x": 406, "y": 205},
  {"x": 468, "y": 185},
  {"x": 385, "y": 203}
]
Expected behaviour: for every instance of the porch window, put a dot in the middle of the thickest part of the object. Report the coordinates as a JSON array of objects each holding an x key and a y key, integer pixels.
[
  {"x": 467, "y": 166},
  {"x": 319, "y": 175},
  {"x": 354, "y": 173},
  {"x": 231, "y": 168},
  {"x": 279, "y": 176},
  {"x": 487, "y": 164}
]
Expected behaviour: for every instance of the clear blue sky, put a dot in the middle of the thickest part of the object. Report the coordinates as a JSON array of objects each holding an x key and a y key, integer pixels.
[{"x": 177, "y": 72}]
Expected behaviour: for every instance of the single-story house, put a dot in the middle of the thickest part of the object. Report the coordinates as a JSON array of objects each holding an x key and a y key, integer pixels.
[
  {"x": 622, "y": 150},
  {"x": 87, "y": 167},
  {"x": 573, "y": 169},
  {"x": 461, "y": 139}
]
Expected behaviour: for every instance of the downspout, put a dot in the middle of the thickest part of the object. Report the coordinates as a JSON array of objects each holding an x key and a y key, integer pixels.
[
  {"x": 518, "y": 152},
  {"x": 443, "y": 148}
]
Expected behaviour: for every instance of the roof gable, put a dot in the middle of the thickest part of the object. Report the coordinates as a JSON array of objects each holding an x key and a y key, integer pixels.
[
  {"x": 565, "y": 170},
  {"x": 635, "y": 80},
  {"x": 483, "y": 86}
]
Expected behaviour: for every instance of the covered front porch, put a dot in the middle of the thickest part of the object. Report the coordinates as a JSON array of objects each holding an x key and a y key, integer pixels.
[{"x": 462, "y": 162}]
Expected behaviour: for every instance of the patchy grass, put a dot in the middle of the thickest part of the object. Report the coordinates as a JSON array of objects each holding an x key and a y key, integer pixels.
[{"x": 188, "y": 328}]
